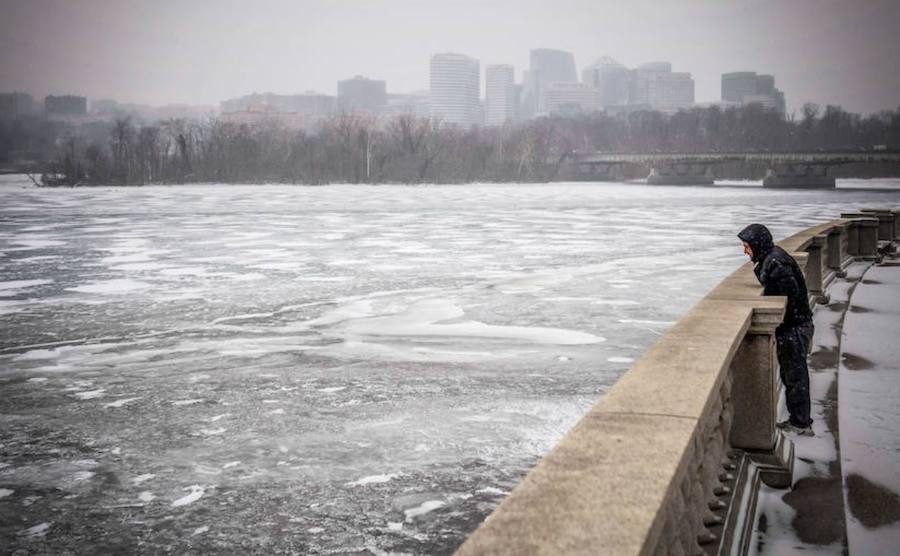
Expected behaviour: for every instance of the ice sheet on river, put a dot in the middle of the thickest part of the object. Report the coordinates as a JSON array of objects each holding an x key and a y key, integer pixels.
[{"x": 320, "y": 369}]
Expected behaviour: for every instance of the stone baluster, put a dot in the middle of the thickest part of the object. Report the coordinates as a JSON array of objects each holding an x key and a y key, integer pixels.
[
  {"x": 815, "y": 281},
  {"x": 838, "y": 257},
  {"x": 868, "y": 238},
  {"x": 863, "y": 234},
  {"x": 896, "y": 214},
  {"x": 885, "y": 222},
  {"x": 754, "y": 374},
  {"x": 755, "y": 400}
]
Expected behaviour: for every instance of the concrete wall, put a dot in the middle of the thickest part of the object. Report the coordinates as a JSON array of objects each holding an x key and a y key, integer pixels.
[{"x": 670, "y": 459}]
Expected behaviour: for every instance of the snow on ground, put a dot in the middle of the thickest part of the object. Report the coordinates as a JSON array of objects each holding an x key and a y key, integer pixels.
[
  {"x": 846, "y": 492},
  {"x": 291, "y": 342},
  {"x": 870, "y": 414}
]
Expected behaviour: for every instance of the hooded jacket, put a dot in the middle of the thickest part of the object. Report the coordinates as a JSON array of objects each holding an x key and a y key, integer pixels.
[{"x": 778, "y": 273}]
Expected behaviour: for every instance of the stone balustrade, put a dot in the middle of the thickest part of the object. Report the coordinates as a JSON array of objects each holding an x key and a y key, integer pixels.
[
  {"x": 863, "y": 237},
  {"x": 670, "y": 459}
]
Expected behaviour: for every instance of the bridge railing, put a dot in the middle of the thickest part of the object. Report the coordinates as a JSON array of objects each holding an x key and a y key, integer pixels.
[
  {"x": 669, "y": 460},
  {"x": 785, "y": 169}
]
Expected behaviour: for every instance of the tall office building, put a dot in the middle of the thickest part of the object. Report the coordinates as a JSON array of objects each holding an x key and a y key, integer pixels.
[
  {"x": 747, "y": 87},
  {"x": 611, "y": 81},
  {"x": 500, "y": 95},
  {"x": 455, "y": 89},
  {"x": 736, "y": 85},
  {"x": 657, "y": 86},
  {"x": 13, "y": 105},
  {"x": 546, "y": 66},
  {"x": 361, "y": 95}
]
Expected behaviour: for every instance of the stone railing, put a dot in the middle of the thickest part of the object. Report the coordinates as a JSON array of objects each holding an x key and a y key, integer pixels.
[{"x": 670, "y": 460}]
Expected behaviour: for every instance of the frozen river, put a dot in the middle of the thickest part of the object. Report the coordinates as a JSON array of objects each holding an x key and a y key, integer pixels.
[{"x": 341, "y": 369}]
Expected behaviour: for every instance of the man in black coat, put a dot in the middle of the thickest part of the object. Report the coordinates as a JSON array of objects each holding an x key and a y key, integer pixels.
[{"x": 779, "y": 274}]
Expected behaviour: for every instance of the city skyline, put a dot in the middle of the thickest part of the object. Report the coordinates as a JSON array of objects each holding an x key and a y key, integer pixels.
[{"x": 828, "y": 52}]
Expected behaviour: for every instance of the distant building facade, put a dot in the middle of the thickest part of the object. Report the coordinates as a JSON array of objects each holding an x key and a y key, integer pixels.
[
  {"x": 546, "y": 66},
  {"x": 65, "y": 105},
  {"x": 610, "y": 79},
  {"x": 360, "y": 94},
  {"x": 501, "y": 95},
  {"x": 15, "y": 105},
  {"x": 108, "y": 109},
  {"x": 416, "y": 104},
  {"x": 656, "y": 85},
  {"x": 748, "y": 87},
  {"x": 736, "y": 85},
  {"x": 305, "y": 104},
  {"x": 264, "y": 116},
  {"x": 567, "y": 98},
  {"x": 455, "y": 89}
]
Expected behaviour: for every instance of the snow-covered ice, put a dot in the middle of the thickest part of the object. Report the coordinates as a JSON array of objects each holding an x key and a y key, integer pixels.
[
  {"x": 374, "y": 479},
  {"x": 91, "y": 394},
  {"x": 122, "y": 402},
  {"x": 423, "y": 509},
  {"x": 110, "y": 287},
  {"x": 37, "y": 531},
  {"x": 146, "y": 496},
  {"x": 196, "y": 493}
]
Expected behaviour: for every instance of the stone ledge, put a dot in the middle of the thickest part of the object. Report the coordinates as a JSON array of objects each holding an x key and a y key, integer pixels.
[
  {"x": 677, "y": 375},
  {"x": 597, "y": 491}
]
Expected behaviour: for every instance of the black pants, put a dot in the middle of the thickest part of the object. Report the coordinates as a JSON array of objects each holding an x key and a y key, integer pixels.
[{"x": 793, "y": 343}]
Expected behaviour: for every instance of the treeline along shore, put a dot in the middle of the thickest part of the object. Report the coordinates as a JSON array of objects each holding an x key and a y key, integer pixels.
[{"x": 353, "y": 148}]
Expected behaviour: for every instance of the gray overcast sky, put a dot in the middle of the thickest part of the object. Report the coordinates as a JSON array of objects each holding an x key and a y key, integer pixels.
[{"x": 843, "y": 52}]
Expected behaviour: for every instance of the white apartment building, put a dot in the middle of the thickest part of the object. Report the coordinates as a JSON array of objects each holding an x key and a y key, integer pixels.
[
  {"x": 455, "y": 89},
  {"x": 500, "y": 95}
]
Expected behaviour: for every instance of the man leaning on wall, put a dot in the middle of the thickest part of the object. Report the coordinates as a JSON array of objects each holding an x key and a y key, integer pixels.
[{"x": 779, "y": 274}]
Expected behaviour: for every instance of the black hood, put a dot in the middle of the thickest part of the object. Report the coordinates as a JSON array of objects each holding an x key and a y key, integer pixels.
[{"x": 760, "y": 240}]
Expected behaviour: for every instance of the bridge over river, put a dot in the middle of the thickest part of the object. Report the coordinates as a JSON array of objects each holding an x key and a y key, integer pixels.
[{"x": 786, "y": 169}]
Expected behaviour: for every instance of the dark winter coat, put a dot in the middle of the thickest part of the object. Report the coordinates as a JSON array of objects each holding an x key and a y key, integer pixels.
[{"x": 779, "y": 274}]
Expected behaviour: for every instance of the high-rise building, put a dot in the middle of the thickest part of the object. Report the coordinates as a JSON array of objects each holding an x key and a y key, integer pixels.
[
  {"x": 14, "y": 105},
  {"x": 455, "y": 89},
  {"x": 567, "y": 98},
  {"x": 611, "y": 80},
  {"x": 736, "y": 85},
  {"x": 546, "y": 66},
  {"x": 361, "y": 95},
  {"x": 500, "y": 95},
  {"x": 66, "y": 105},
  {"x": 747, "y": 87},
  {"x": 656, "y": 85}
]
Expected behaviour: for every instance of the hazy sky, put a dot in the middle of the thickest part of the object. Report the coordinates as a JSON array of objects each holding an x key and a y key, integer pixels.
[{"x": 202, "y": 51}]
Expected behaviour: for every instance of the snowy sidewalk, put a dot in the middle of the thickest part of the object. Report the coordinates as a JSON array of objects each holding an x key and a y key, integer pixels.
[
  {"x": 847, "y": 477},
  {"x": 869, "y": 410}
]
